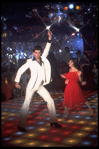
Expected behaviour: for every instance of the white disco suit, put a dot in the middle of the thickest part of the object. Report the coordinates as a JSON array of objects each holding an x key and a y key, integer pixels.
[{"x": 40, "y": 75}]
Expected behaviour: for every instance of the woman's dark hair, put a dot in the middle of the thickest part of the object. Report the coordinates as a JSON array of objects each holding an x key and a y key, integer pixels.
[
  {"x": 37, "y": 48},
  {"x": 75, "y": 63}
]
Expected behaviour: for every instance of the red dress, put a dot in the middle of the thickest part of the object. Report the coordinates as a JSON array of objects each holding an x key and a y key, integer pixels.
[{"x": 73, "y": 95}]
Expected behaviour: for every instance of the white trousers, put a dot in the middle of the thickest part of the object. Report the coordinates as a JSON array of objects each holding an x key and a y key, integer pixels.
[{"x": 42, "y": 91}]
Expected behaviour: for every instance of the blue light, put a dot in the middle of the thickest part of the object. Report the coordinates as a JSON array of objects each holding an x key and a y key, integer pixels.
[
  {"x": 30, "y": 127},
  {"x": 88, "y": 118},
  {"x": 47, "y": 118},
  {"x": 7, "y": 139},
  {"x": 93, "y": 106},
  {"x": 5, "y": 109},
  {"x": 40, "y": 122},
  {"x": 71, "y": 6},
  {"x": 94, "y": 136},
  {"x": 78, "y": 34},
  {"x": 58, "y": 114},
  {"x": 89, "y": 98},
  {"x": 11, "y": 119},
  {"x": 17, "y": 56},
  {"x": 12, "y": 110},
  {"x": 19, "y": 133},
  {"x": 77, "y": 116},
  {"x": 30, "y": 112},
  {"x": 92, "y": 96},
  {"x": 61, "y": 99},
  {"x": 86, "y": 143}
]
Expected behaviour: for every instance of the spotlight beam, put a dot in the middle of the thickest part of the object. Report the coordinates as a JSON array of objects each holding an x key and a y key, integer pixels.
[
  {"x": 39, "y": 34},
  {"x": 47, "y": 27},
  {"x": 35, "y": 10}
]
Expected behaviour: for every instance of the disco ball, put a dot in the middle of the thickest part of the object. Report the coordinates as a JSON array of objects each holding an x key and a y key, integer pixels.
[
  {"x": 56, "y": 18},
  {"x": 57, "y": 14}
]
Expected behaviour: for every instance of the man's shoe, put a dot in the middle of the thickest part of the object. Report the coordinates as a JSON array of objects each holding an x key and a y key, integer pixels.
[
  {"x": 21, "y": 129},
  {"x": 56, "y": 125}
]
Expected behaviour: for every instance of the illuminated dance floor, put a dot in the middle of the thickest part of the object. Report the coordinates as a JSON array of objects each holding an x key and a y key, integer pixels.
[{"x": 79, "y": 130}]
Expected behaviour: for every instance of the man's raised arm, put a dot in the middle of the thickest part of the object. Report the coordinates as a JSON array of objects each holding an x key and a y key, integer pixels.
[{"x": 48, "y": 45}]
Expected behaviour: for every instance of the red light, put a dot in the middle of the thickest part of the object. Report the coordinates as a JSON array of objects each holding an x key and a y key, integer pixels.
[
  {"x": 57, "y": 139},
  {"x": 66, "y": 132},
  {"x": 43, "y": 137},
  {"x": 65, "y": 8},
  {"x": 73, "y": 34},
  {"x": 54, "y": 131},
  {"x": 30, "y": 121},
  {"x": 29, "y": 116},
  {"x": 74, "y": 127}
]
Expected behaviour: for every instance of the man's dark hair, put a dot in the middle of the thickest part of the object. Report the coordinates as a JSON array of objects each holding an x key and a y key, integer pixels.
[{"x": 37, "y": 48}]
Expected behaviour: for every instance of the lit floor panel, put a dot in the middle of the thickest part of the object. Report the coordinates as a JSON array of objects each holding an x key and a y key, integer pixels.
[{"x": 79, "y": 130}]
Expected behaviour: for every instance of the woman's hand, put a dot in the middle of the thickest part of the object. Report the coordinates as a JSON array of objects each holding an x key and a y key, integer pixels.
[
  {"x": 17, "y": 85},
  {"x": 62, "y": 76},
  {"x": 67, "y": 81},
  {"x": 83, "y": 83}
]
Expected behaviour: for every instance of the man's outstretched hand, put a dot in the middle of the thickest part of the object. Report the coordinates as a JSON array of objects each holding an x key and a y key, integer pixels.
[{"x": 49, "y": 35}]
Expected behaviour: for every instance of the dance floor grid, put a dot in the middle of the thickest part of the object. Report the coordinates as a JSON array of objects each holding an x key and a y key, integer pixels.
[{"x": 79, "y": 130}]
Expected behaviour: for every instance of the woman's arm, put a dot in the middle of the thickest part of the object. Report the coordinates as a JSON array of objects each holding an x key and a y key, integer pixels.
[
  {"x": 62, "y": 76},
  {"x": 80, "y": 78}
]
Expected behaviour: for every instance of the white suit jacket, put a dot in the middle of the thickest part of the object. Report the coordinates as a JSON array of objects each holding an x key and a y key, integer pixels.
[{"x": 36, "y": 71}]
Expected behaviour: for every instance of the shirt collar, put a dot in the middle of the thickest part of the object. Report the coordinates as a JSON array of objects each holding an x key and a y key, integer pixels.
[{"x": 34, "y": 59}]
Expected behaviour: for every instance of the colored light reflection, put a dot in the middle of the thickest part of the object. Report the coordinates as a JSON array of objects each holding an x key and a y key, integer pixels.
[
  {"x": 66, "y": 132},
  {"x": 40, "y": 123},
  {"x": 93, "y": 136},
  {"x": 43, "y": 137},
  {"x": 53, "y": 131},
  {"x": 80, "y": 134},
  {"x": 87, "y": 118},
  {"x": 77, "y": 116},
  {"x": 82, "y": 122},
  {"x": 71, "y": 141},
  {"x": 19, "y": 133},
  {"x": 7, "y": 139},
  {"x": 30, "y": 127},
  {"x": 70, "y": 121},
  {"x": 87, "y": 128},
  {"x": 57, "y": 139},
  {"x": 86, "y": 143},
  {"x": 73, "y": 132}
]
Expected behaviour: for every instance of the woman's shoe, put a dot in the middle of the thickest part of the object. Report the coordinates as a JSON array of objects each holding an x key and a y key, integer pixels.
[
  {"x": 21, "y": 128},
  {"x": 66, "y": 118},
  {"x": 91, "y": 113},
  {"x": 56, "y": 125}
]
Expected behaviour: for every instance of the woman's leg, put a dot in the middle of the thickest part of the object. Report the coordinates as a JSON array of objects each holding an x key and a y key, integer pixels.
[
  {"x": 67, "y": 112},
  {"x": 88, "y": 105}
]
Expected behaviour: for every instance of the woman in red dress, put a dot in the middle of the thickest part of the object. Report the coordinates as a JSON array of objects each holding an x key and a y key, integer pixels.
[{"x": 73, "y": 95}]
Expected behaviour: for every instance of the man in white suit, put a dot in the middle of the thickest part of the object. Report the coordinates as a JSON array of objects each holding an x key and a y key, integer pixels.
[{"x": 40, "y": 75}]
